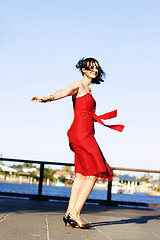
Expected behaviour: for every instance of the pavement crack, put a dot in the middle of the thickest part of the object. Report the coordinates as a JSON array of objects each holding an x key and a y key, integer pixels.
[
  {"x": 103, "y": 233},
  {"x": 47, "y": 228},
  {"x": 5, "y": 215},
  {"x": 98, "y": 230}
]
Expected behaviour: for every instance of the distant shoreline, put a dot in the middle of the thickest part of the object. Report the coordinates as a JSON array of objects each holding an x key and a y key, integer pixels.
[{"x": 154, "y": 193}]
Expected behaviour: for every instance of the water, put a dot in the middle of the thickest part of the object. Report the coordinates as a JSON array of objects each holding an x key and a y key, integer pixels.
[{"x": 65, "y": 192}]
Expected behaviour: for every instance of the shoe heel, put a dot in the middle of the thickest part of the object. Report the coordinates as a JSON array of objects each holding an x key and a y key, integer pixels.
[{"x": 65, "y": 221}]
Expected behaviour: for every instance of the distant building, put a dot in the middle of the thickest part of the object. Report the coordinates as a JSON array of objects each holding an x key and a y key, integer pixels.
[
  {"x": 130, "y": 184},
  {"x": 127, "y": 179},
  {"x": 155, "y": 183},
  {"x": 27, "y": 170},
  {"x": 7, "y": 169},
  {"x": 62, "y": 173}
]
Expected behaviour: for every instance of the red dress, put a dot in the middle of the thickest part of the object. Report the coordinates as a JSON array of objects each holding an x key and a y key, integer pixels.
[{"x": 89, "y": 159}]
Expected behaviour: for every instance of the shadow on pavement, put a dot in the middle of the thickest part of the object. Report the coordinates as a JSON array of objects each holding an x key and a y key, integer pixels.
[{"x": 140, "y": 220}]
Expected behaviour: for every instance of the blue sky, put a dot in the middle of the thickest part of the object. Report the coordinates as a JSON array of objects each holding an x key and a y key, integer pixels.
[{"x": 40, "y": 43}]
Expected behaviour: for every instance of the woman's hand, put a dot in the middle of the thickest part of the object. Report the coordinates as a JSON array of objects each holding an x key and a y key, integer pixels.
[{"x": 39, "y": 99}]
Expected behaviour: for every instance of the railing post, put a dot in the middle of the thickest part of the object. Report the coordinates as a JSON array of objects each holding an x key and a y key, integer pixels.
[
  {"x": 41, "y": 180},
  {"x": 109, "y": 192}
]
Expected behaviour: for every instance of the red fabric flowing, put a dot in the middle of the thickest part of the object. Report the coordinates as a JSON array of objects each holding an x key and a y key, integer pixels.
[{"x": 106, "y": 116}]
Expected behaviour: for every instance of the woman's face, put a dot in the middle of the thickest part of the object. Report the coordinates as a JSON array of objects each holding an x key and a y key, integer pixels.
[{"x": 91, "y": 71}]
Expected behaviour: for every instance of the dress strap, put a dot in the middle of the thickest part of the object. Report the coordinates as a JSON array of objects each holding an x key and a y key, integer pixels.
[{"x": 84, "y": 88}]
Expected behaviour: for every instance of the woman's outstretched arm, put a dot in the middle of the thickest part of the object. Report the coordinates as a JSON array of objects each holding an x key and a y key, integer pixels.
[{"x": 72, "y": 89}]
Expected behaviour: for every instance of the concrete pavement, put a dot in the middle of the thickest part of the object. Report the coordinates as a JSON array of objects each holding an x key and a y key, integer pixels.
[{"x": 30, "y": 220}]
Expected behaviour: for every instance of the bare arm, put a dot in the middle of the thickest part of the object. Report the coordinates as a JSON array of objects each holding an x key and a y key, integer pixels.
[{"x": 72, "y": 89}]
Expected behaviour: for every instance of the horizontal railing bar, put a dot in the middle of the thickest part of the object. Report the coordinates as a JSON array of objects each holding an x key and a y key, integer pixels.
[
  {"x": 72, "y": 164},
  {"x": 135, "y": 170},
  {"x": 35, "y": 161}
]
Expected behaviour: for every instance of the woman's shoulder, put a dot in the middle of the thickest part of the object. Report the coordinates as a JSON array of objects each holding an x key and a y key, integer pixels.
[{"x": 77, "y": 83}]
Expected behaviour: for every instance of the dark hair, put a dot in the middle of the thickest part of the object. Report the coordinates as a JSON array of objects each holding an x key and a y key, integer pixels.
[{"x": 87, "y": 63}]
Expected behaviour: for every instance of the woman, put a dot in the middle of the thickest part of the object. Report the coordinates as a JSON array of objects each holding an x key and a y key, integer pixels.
[{"x": 89, "y": 161}]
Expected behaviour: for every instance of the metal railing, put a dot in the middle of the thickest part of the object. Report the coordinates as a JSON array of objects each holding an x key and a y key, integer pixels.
[{"x": 108, "y": 200}]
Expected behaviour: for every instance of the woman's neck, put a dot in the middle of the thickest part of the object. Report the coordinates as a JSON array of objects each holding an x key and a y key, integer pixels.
[{"x": 86, "y": 81}]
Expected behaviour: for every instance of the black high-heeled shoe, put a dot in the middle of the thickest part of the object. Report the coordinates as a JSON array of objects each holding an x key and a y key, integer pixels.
[
  {"x": 69, "y": 221},
  {"x": 75, "y": 223}
]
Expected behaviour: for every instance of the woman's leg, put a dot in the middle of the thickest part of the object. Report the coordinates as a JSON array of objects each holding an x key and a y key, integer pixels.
[
  {"x": 84, "y": 191},
  {"x": 78, "y": 182}
]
